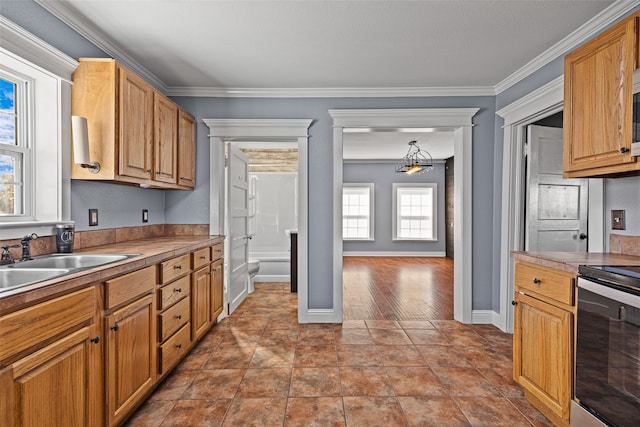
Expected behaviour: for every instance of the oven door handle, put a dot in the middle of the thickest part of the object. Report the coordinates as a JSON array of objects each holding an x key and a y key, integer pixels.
[{"x": 611, "y": 293}]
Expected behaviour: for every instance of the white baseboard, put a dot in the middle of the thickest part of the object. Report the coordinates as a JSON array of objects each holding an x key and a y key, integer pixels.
[
  {"x": 395, "y": 253},
  {"x": 484, "y": 317},
  {"x": 272, "y": 278},
  {"x": 316, "y": 315}
]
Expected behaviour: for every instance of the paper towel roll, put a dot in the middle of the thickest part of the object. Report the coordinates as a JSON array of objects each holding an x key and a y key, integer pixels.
[{"x": 80, "y": 140}]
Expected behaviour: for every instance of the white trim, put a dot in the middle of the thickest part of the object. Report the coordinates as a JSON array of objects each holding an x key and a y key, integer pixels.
[
  {"x": 35, "y": 50},
  {"x": 337, "y": 92},
  {"x": 586, "y": 31},
  {"x": 395, "y": 215},
  {"x": 605, "y": 18},
  {"x": 486, "y": 317},
  {"x": 103, "y": 41},
  {"x": 461, "y": 120},
  {"x": 540, "y": 103},
  {"x": 319, "y": 315},
  {"x": 263, "y": 130},
  {"x": 390, "y": 254}
]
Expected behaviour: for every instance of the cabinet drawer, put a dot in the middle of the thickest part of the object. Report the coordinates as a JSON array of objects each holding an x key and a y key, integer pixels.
[
  {"x": 174, "y": 348},
  {"x": 173, "y": 292},
  {"x": 129, "y": 286},
  {"x": 174, "y": 268},
  {"x": 172, "y": 319},
  {"x": 217, "y": 251},
  {"x": 552, "y": 284},
  {"x": 201, "y": 257},
  {"x": 34, "y": 325}
]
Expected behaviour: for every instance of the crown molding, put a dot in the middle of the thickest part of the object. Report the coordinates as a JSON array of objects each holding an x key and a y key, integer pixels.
[
  {"x": 19, "y": 41},
  {"x": 410, "y": 117},
  {"x": 539, "y": 100},
  {"x": 586, "y": 31},
  {"x": 365, "y": 92},
  {"x": 78, "y": 23}
]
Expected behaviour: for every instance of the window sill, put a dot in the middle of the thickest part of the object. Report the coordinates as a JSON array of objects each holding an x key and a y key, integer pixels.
[{"x": 16, "y": 230}]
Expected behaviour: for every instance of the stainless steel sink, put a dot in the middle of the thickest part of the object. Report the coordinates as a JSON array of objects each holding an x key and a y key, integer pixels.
[
  {"x": 70, "y": 261},
  {"x": 51, "y": 266},
  {"x": 12, "y": 278}
]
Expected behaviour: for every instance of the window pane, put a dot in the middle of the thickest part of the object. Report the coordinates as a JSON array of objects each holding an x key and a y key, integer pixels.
[
  {"x": 7, "y": 112},
  {"x": 11, "y": 200}
]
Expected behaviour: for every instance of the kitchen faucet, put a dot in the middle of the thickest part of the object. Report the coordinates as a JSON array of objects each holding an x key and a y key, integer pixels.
[
  {"x": 6, "y": 257},
  {"x": 26, "y": 246}
]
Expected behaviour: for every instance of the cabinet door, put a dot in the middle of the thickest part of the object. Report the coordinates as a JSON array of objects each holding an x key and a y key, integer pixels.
[
  {"x": 186, "y": 149},
  {"x": 200, "y": 289},
  {"x": 136, "y": 126},
  {"x": 542, "y": 352},
  {"x": 598, "y": 101},
  {"x": 130, "y": 356},
  {"x": 53, "y": 386},
  {"x": 165, "y": 118},
  {"x": 216, "y": 290}
]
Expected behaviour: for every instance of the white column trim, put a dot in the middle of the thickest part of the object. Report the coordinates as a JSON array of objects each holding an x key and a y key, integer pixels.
[
  {"x": 460, "y": 119},
  {"x": 542, "y": 102}
]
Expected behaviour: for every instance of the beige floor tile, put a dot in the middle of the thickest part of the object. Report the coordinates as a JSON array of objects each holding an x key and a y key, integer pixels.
[{"x": 315, "y": 412}]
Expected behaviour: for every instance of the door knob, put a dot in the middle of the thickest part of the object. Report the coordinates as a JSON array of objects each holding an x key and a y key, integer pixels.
[{"x": 582, "y": 236}]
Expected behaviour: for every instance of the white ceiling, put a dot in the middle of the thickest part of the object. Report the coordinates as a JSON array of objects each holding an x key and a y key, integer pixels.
[{"x": 254, "y": 47}]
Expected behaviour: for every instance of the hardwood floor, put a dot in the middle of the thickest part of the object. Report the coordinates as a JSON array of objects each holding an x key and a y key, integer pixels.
[{"x": 397, "y": 288}]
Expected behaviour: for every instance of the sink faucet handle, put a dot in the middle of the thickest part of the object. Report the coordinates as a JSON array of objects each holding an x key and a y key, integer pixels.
[{"x": 6, "y": 257}]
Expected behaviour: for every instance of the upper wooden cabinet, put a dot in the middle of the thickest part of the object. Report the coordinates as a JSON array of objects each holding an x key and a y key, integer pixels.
[
  {"x": 186, "y": 149},
  {"x": 598, "y": 103},
  {"x": 136, "y": 133}
]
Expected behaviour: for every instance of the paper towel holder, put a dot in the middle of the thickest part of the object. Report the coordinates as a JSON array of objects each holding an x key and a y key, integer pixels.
[{"x": 81, "y": 144}]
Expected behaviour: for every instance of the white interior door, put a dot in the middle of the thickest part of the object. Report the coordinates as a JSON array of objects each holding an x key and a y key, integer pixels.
[
  {"x": 557, "y": 208},
  {"x": 238, "y": 239}
]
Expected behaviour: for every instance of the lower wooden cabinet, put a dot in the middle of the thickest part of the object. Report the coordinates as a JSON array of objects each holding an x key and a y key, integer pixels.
[
  {"x": 59, "y": 382},
  {"x": 217, "y": 290},
  {"x": 200, "y": 302},
  {"x": 543, "y": 339}
]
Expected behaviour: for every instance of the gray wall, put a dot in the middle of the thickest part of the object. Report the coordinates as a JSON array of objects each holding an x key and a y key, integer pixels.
[
  {"x": 383, "y": 175},
  {"x": 622, "y": 193}
]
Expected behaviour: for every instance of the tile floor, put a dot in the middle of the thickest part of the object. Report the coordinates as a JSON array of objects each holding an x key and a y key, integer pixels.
[{"x": 258, "y": 367}]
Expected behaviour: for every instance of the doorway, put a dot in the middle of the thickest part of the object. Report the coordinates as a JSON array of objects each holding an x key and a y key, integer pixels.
[{"x": 460, "y": 122}]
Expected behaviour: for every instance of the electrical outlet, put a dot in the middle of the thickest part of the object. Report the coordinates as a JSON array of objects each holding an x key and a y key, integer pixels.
[
  {"x": 145, "y": 215},
  {"x": 617, "y": 220},
  {"x": 93, "y": 217}
]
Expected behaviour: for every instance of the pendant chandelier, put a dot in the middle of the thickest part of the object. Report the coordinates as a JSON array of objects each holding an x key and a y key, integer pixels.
[{"x": 415, "y": 161}]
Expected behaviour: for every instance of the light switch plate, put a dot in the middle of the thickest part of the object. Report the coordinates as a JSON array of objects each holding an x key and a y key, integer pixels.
[
  {"x": 617, "y": 220},
  {"x": 93, "y": 217}
]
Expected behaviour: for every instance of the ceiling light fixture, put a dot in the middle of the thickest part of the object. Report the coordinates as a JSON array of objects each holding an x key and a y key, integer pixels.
[{"x": 415, "y": 161}]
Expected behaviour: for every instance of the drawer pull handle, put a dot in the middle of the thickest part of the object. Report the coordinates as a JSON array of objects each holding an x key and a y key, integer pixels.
[
  {"x": 177, "y": 290},
  {"x": 115, "y": 328},
  {"x": 536, "y": 281},
  {"x": 624, "y": 150},
  {"x": 178, "y": 267},
  {"x": 95, "y": 340},
  {"x": 209, "y": 273},
  {"x": 203, "y": 257},
  {"x": 179, "y": 316},
  {"x": 178, "y": 345}
]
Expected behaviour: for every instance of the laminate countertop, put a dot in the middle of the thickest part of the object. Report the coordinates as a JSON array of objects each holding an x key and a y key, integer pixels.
[
  {"x": 152, "y": 251},
  {"x": 570, "y": 261}
]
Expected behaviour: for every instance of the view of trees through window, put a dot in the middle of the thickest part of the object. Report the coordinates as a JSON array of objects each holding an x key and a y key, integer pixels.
[{"x": 10, "y": 156}]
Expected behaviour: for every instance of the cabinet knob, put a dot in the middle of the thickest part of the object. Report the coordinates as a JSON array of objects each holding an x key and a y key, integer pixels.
[
  {"x": 514, "y": 303},
  {"x": 624, "y": 150},
  {"x": 182, "y": 177},
  {"x": 149, "y": 170},
  {"x": 536, "y": 281},
  {"x": 95, "y": 340},
  {"x": 209, "y": 273},
  {"x": 177, "y": 290},
  {"x": 115, "y": 327},
  {"x": 178, "y": 267},
  {"x": 203, "y": 257},
  {"x": 179, "y": 316},
  {"x": 178, "y": 345}
]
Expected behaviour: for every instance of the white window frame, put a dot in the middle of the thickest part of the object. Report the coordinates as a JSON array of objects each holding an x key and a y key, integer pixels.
[
  {"x": 47, "y": 72},
  {"x": 370, "y": 187},
  {"x": 396, "y": 213}
]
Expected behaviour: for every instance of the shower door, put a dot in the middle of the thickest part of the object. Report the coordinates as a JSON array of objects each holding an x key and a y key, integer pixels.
[{"x": 238, "y": 239}]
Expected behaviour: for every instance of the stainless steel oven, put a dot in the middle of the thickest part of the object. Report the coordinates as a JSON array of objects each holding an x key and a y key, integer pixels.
[{"x": 607, "y": 373}]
